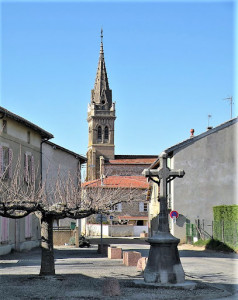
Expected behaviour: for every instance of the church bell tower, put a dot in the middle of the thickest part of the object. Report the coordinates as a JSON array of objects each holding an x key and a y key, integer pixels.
[{"x": 101, "y": 118}]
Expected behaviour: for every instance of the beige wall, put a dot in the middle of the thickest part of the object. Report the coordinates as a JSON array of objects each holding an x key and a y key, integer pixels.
[{"x": 16, "y": 138}]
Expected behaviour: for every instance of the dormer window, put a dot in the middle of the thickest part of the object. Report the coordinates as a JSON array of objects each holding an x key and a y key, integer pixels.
[
  {"x": 106, "y": 133},
  {"x": 99, "y": 133}
]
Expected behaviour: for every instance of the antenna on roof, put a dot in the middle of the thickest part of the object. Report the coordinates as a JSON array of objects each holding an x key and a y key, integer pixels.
[
  {"x": 229, "y": 99},
  {"x": 208, "y": 122}
]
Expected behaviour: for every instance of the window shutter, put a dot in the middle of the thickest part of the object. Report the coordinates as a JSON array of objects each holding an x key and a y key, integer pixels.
[
  {"x": 10, "y": 153},
  {"x": 26, "y": 167},
  {"x": 5, "y": 229},
  {"x": 141, "y": 207},
  {"x": 32, "y": 169},
  {"x": 119, "y": 207},
  {"x": 28, "y": 226},
  {"x": 1, "y": 161}
]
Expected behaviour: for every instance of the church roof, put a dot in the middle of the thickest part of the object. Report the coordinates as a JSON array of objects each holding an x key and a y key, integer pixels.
[
  {"x": 101, "y": 94},
  {"x": 119, "y": 182}
]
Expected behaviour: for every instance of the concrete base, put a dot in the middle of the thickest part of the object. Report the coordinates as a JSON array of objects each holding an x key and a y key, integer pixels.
[
  {"x": 163, "y": 265},
  {"x": 5, "y": 249},
  {"x": 28, "y": 245},
  {"x": 186, "y": 285}
]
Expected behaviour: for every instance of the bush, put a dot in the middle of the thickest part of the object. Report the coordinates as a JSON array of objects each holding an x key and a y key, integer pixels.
[
  {"x": 218, "y": 246},
  {"x": 225, "y": 226}
]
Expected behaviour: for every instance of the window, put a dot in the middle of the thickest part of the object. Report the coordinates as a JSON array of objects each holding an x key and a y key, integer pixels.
[
  {"x": 117, "y": 207},
  {"x": 5, "y": 162},
  {"x": 4, "y": 126},
  {"x": 106, "y": 133},
  {"x": 99, "y": 132},
  {"x": 28, "y": 137},
  {"x": 143, "y": 207},
  {"x": 29, "y": 168}
]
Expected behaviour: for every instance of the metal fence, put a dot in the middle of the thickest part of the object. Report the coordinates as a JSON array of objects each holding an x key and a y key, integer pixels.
[{"x": 224, "y": 231}]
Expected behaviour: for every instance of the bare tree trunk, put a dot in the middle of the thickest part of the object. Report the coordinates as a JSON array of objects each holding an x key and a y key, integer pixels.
[{"x": 47, "y": 254}]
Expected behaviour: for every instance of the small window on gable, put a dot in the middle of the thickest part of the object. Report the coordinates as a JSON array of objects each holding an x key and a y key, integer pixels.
[
  {"x": 28, "y": 137},
  {"x": 4, "y": 126},
  {"x": 99, "y": 132},
  {"x": 106, "y": 133}
]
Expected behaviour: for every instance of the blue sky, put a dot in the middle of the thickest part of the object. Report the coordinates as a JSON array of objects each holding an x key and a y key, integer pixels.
[{"x": 170, "y": 64}]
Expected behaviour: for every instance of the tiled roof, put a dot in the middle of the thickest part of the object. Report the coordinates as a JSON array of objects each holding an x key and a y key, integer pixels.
[
  {"x": 132, "y": 161},
  {"x": 6, "y": 113},
  {"x": 78, "y": 156},
  {"x": 120, "y": 181},
  {"x": 193, "y": 139}
]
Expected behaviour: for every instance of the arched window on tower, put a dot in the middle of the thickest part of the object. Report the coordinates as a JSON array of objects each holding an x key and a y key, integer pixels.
[
  {"x": 106, "y": 133},
  {"x": 99, "y": 133}
]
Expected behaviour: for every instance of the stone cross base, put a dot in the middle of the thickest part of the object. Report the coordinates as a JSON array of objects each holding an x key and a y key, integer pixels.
[{"x": 163, "y": 265}]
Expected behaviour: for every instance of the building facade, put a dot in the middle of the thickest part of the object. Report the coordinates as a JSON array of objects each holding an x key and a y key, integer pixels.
[
  {"x": 59, "y": 161},
  {"x": 210, "y": 164},
  {"x": 20, "y": 147}
]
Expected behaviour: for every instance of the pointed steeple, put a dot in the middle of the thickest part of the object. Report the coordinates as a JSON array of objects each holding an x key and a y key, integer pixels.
[{"x": 101, "y": 94}]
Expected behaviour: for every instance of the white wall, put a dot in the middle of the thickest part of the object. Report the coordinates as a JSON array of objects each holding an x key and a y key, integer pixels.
[{"x": 115, "y": 230}]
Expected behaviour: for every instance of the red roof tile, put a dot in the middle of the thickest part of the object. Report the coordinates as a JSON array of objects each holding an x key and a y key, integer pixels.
[
  {"x": 132, "y": 161},
  {"x": 120, "y": 181}
]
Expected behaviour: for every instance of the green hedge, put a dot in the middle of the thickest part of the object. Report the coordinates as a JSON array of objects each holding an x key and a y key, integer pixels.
[
  {"x": 225, "y": 225},
  {"x": 225, "y": 213}
]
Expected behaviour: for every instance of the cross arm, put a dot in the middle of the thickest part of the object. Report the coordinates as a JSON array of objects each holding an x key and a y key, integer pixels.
[{"x": 177, "y": 173}]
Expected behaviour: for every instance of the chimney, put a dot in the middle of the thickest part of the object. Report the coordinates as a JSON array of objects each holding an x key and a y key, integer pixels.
[{"x": 192, "y": 133}]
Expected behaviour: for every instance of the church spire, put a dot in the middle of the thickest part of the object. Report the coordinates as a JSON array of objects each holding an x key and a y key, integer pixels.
[{"x": 101, "y": 94}]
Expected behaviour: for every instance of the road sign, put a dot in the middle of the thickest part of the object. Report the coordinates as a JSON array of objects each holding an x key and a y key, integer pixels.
[
  {"x": 111, "y": 217},
  {"x": 173, "y": 214},
  {"x": 99, "y": 218}
]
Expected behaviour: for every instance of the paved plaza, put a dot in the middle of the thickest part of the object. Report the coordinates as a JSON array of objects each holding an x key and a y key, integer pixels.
[{"x": 81, "y": 274}]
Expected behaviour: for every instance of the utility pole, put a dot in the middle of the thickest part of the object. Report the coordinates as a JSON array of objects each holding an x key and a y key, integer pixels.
[{"x": 229, "y": 99}]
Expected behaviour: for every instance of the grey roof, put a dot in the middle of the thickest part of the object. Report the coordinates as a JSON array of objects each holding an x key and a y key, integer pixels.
[
  {"x": 78, "y": 156},
  {"x": 195, "y": 138},
  {"x": 6, "y": 113}
]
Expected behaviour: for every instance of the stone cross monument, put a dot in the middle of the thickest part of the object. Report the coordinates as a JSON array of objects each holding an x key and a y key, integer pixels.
[{"x": 163, "y": 264}]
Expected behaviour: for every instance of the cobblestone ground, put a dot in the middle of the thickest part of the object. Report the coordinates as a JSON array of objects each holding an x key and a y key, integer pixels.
[{"x": 81, "y": 274}]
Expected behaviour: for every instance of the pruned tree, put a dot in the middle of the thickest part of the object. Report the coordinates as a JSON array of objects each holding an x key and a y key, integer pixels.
[{"x": 61, "y": 198}]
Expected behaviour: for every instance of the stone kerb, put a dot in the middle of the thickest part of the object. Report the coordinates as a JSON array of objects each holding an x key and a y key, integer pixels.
[
  {"x": 114, "y": 253},
  {"x": 130, "y": 258}
]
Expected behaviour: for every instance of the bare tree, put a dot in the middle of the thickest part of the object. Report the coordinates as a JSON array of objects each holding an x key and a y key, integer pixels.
[{"x": 64, "y": 198}]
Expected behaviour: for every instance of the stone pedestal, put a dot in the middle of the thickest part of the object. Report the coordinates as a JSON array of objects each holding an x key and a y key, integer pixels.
[
  {"x": 114, "y": 253},
  {"x": 130, "y": 258},
  {"x": 163, "y": 265}
]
